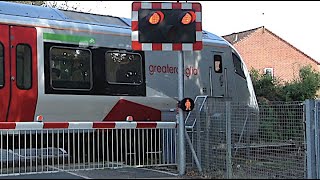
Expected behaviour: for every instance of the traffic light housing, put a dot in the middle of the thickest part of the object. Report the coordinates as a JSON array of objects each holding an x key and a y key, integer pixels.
[{"x": 166, "y": 26}]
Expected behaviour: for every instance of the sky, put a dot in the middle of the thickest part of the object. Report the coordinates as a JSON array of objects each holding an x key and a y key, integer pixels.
[{"x": 297, "y": 22}]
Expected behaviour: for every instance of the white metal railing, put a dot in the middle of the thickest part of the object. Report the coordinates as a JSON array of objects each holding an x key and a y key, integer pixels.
[{"x": 31, "y": 147}]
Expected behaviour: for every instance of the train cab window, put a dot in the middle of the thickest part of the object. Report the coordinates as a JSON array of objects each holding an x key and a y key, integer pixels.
[
  {"x": 217, "y": 63},
  {"x": 1, "y": 66},
  {"x": 123, "y": 68},
  {"x": 70, "y": 68},
  {"x": 24, "y": 68},
  {"x": 238, "y": 65}
]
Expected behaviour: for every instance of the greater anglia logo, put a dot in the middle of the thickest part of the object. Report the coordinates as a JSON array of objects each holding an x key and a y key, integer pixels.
[{"x": 167, "y": 69}]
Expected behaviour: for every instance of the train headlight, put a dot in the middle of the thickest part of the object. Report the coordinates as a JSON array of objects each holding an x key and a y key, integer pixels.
[
  {"x": 129, "y": 118},
  {"x": 39, "y": 118}
]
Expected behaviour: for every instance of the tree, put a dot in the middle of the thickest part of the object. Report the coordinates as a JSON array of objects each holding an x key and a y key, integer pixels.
[
  {"x": 37, "y": 3},
  {"x": 305, "y": 87},
  {"x": 266, "y": 87},
  {"x": 64, "y": 5}
]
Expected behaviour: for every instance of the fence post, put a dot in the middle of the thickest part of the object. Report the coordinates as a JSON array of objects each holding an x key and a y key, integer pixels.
[
  {"x": 228, "y": 138},
  {"x": 198, "y": 127},
  {"x": 316, "y": 137},
  {"x": 310, "y": 139}
]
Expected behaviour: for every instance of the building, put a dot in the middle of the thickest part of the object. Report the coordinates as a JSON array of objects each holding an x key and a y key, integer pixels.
[{"x": 263, "y": 50}]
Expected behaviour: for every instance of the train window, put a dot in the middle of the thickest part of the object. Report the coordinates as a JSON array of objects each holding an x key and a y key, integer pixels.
[
  {"x": 24, "y": 68},
  {"x": 1, "y": 66},
  {"x": 123, "y": 68},
  {"x": 70, "y": 68},
  {"x": 217, "y": 63},
  {"x": 238, "y": 65}
]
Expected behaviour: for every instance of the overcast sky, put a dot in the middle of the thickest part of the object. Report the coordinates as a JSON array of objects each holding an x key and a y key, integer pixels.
[{"x": 297, "y": 22}]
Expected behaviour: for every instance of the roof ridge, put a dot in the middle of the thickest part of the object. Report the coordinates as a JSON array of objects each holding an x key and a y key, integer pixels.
[
  {"x": 244, "y": 31},
  {"x": 292, "y": 46},
  {"x": 240, "y": 36}
]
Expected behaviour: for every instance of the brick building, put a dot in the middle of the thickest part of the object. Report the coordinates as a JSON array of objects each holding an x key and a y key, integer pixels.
[{"x": 263, "y": 50}]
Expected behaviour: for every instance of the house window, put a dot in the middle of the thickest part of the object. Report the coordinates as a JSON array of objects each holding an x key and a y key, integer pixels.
[{"x": 268, "y": 71}]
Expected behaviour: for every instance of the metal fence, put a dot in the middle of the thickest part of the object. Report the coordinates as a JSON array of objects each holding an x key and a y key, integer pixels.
[
  {"x": 234, "y": 141},
  {"x": 45, "y": 147},
  {"x": 231, "y": 140}
]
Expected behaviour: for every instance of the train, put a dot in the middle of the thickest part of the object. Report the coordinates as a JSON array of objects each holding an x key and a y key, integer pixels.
[{"x": 64, "y": 66}]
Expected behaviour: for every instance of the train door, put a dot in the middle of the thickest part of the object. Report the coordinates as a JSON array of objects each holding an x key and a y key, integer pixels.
[
  {"x": 4, "y": 72},
  {"x": 21, "y": 73},
  {"x": 217, "y": 78}
]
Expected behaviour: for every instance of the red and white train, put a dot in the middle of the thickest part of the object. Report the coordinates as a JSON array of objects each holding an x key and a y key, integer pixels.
[{"x": 58, "y": 65}]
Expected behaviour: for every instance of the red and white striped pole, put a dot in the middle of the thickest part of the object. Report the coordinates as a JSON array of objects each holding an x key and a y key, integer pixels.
[{"x": 87, "y": 125}]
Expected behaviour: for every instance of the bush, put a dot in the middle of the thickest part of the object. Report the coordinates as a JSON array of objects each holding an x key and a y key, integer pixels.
[
  {"x": 272, "y": 89},
  {"x": 266, "y": 87}
]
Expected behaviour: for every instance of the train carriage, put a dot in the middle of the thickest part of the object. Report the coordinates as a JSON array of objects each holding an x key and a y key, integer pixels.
[
  {"x": 58, "y": 65},
  {"x": 67, "y": 66}
]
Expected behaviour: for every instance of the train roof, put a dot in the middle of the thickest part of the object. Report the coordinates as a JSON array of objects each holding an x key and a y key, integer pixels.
[{"x": 48, "y": 13}]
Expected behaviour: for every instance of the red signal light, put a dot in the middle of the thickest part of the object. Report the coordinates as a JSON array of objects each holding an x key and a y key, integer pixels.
[
  {"x": 156, "y": 17},
  {"x": 189, "y": 17}
]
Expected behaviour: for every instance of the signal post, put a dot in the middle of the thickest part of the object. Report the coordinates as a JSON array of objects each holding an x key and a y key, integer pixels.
[{"x": 169, "y": 26}]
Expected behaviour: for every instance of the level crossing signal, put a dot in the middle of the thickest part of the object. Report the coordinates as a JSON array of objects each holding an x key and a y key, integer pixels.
[
  {"x": 186, "y": 104},
  {"x": 166, "y": 26}
]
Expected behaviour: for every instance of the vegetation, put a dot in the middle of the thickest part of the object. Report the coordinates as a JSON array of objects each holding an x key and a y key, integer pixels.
[
  {"x": 266, "y": 87},
  {"x": 64, "y": 5},
  {"x": 282, "y": 121},
  {"x": 270, "y": 88},
  {"x": 37, "y": 3}
]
